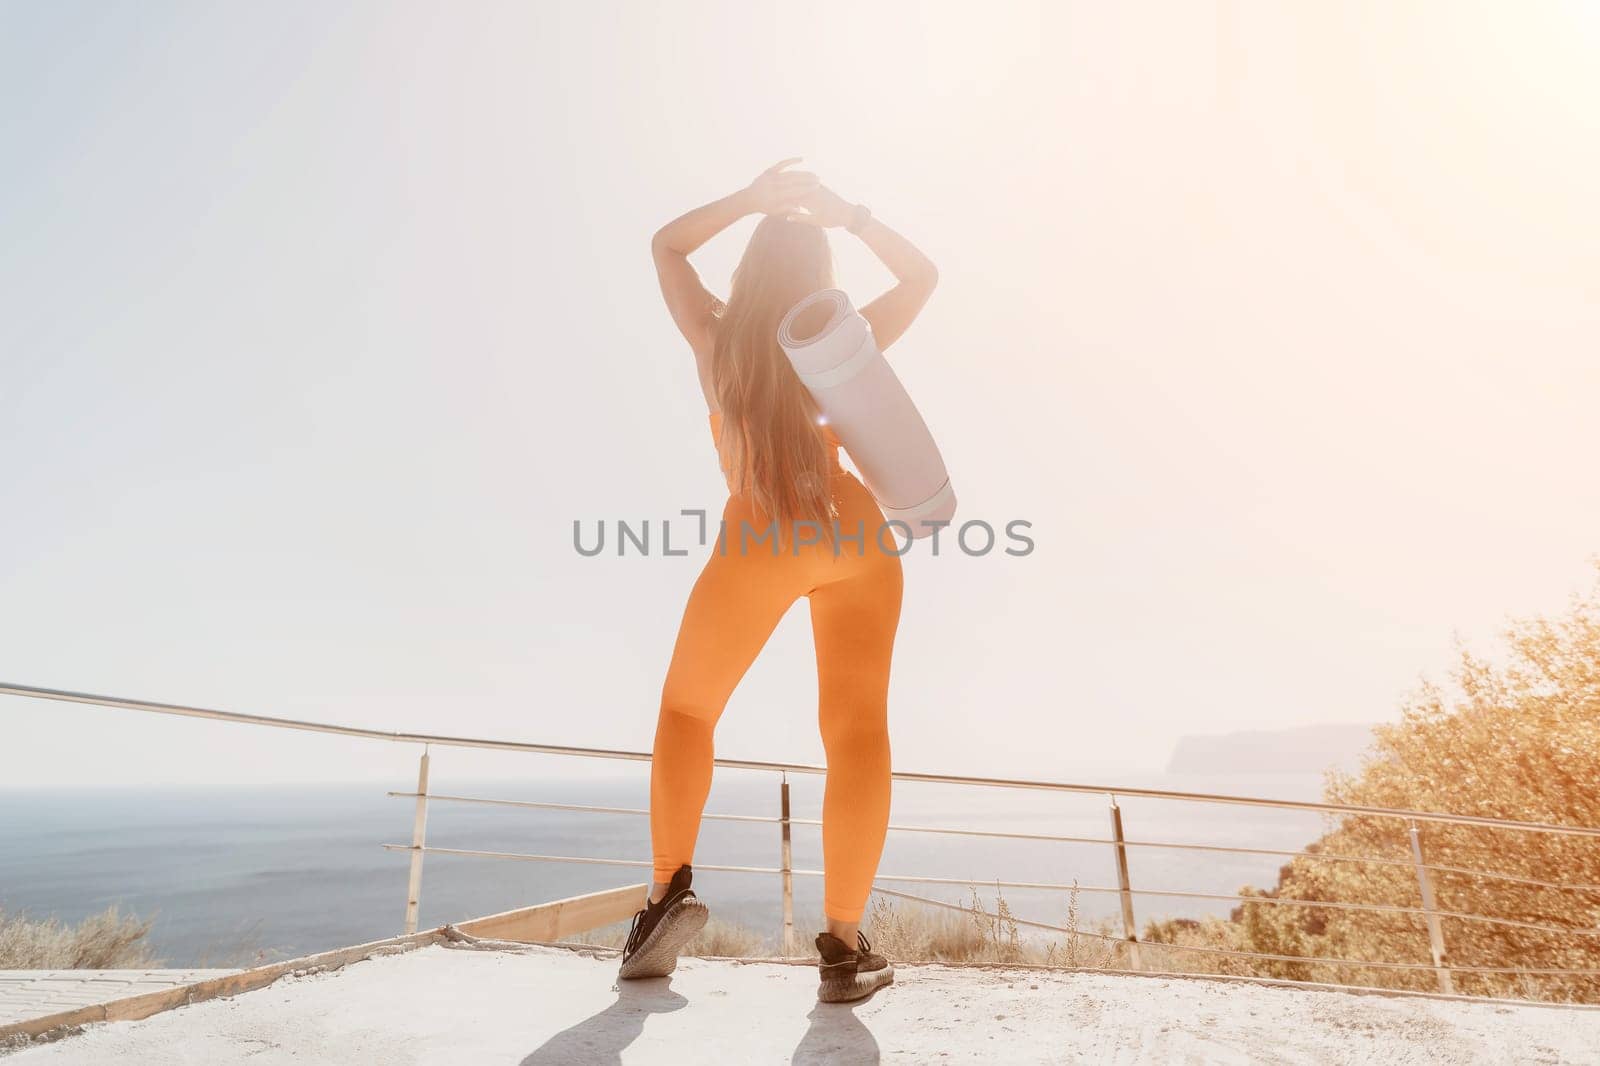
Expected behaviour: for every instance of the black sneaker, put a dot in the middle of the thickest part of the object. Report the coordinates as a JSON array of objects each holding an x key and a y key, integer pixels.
[
  {"x": 660, "y": 930},
  {"x": 848, "y": 974}
]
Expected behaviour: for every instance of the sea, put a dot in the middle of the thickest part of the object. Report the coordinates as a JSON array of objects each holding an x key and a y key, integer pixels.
[{"x": 236, "y": 876}]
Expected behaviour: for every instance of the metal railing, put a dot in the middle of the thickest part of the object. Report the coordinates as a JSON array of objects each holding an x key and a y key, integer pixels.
[{"x": 1429, "y": 910}]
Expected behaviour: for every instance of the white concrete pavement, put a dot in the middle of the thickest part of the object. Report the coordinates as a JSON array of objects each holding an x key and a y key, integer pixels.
[{"x": 449, "y": 1006}]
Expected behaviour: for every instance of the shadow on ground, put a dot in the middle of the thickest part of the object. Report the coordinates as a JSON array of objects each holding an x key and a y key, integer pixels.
[{"x": 835, "y": 1036}]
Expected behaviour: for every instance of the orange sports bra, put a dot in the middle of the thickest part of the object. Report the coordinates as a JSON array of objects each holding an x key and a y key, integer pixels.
[{"x": 829, "y": 438}]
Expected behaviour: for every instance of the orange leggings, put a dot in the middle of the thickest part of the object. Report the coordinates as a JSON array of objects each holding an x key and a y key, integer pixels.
[{"x": 732, "y": 610}]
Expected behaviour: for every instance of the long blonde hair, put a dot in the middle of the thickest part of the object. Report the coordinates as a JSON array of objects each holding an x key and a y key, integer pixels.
[{"x": 769, "y": 421}]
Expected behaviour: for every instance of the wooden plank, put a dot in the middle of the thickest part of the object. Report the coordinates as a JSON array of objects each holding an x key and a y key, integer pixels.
[{"x": 559, "y": 918}]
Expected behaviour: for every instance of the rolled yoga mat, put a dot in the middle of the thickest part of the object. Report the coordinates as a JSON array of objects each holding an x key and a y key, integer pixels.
[{"x": 863, "y": 401}]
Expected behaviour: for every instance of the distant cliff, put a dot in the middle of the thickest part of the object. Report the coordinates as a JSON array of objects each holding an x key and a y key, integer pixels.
[{"x": 1306, "y": 749}]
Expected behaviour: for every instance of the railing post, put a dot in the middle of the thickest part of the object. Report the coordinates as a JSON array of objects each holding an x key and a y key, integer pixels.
[
  {"x": 419, "y": 837},
  {"x": 1441, "y": 962},
  {"x": 788, "y": 868},
  {"x": 1125, "y": 889}
]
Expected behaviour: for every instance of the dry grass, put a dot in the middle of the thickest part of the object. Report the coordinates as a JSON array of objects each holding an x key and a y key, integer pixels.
[
  {"x": 104, "y": 941},
  {"x": 974, "y": 932},
  {"x": 1514, "y": 735},
  {"x": 1206, "y": 933},
  {"x": 988, "y": 933}
]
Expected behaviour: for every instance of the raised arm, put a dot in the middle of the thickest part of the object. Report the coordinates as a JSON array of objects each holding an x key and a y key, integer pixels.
[
  {"x": 693, "y": 308},
  {"x": 892, "y": 313}
]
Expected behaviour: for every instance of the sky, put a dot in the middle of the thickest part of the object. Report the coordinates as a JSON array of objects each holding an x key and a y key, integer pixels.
[{"x": 321, "y": 325}]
